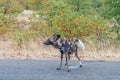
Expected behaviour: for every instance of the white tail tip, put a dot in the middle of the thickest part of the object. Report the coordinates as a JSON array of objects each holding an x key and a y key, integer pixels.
[{"x": 79, "y": 44}]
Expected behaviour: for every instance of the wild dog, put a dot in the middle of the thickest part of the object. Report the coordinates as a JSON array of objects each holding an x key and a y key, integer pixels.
[{"x": 66, "y": 48}]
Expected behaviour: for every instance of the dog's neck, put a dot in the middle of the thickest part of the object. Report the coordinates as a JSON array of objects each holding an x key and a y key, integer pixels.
[{"x": 57, "y": 44}]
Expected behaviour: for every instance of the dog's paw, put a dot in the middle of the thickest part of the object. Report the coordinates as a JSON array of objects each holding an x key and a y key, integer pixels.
[
  {"x": 68, "y": 70},
  {"x": 81, "y": 65},
  {"x": 65, "y": 64},
  {"x": 58, "y": 68}
]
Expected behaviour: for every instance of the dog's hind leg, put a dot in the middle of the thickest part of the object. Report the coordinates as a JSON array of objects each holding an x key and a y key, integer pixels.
[
  {"x": 61, "y": 57},
  {"x": 80, "y": 64}
]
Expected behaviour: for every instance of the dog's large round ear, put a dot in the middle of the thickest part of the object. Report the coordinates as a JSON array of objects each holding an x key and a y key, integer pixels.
[
  {"x": 76, "y": 40},
  {"x": 58, "y": 35}
]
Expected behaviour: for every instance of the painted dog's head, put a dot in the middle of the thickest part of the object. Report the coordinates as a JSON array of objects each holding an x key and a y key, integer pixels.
[
  {"x": 52, "y": 39},
  {"x": 55, "y": 41}
]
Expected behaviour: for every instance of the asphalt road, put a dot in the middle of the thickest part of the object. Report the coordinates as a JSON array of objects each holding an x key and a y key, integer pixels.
[{"x": 46, "y": 70}]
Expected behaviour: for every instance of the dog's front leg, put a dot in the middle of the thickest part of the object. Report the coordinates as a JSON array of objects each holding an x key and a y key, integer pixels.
[
  {"x": 61, "y": 57},
  {"x": 67, "y": 63}
]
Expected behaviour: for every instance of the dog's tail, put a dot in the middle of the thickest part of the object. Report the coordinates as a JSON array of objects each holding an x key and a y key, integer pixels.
[{"x": 79, "y": 44}]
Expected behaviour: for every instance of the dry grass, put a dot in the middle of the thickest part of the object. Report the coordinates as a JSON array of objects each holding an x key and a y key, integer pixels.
[{"x": 35, "y": 49}]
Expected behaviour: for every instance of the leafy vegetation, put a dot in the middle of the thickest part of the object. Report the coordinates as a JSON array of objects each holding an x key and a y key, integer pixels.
[
  {"x": 70, "y": 18},
  {"x": 114, "y": 12}
]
